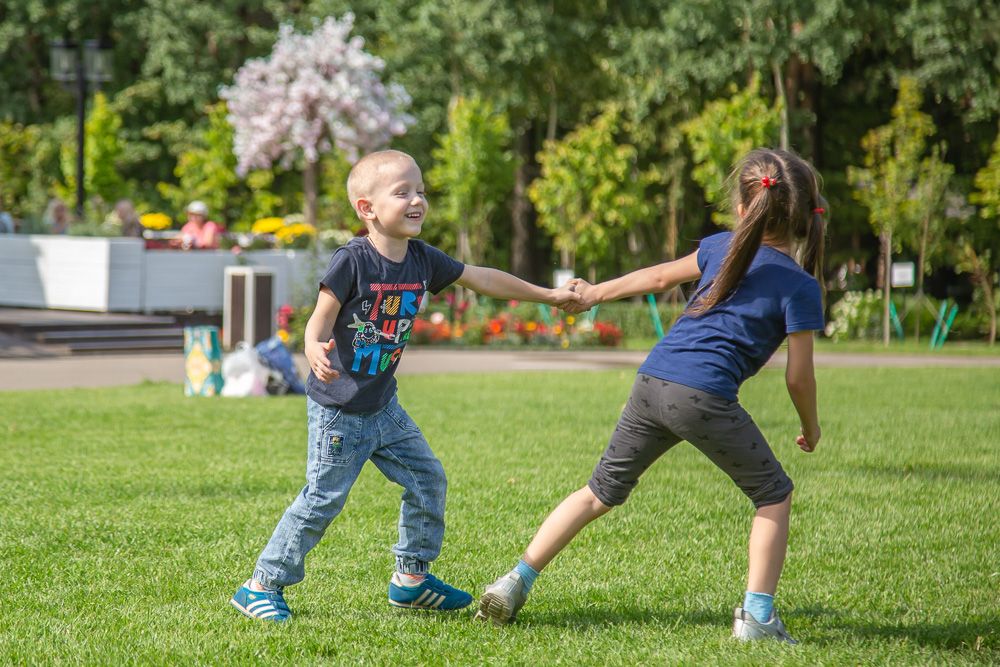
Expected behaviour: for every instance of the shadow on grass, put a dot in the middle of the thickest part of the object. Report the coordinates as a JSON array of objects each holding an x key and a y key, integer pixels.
[
  {"x": 582, "y": 619},
  {"x": 831, "y": 627},
  {"x": 932, "y": 472},
  {"x": 822, "y": 626}
]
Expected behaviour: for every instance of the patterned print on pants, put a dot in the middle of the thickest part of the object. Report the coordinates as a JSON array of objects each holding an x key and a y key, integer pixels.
[{"x": 659, "y": 414}]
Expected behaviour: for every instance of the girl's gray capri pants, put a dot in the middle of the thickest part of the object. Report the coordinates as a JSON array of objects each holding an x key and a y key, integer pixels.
[{"x": 659, "y": 414}]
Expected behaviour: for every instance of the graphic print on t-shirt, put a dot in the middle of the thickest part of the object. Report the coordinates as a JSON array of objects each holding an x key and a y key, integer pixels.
[{"x": 388, "y": 318}]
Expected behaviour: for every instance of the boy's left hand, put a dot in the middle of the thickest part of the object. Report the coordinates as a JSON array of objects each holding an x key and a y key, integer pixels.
[
  {"x": 581, "y": 303},
  {"x": 566, "y": 297}
]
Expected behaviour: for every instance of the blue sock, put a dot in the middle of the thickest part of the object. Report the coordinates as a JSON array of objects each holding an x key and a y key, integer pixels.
[
  {"x": 760, "y": 605},
  {"x": 527, "y": 573}
]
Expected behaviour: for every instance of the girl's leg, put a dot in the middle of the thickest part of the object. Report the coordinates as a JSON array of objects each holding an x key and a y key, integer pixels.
[
  {"x": 505, "y": 597},
  {"x": 727, "y": 435},
  {"x": 757, "y": 619},
  {"x": 638, "y": 440},
  {"x": 561, "y": 526},
  {"x": 768, "y": 543}
]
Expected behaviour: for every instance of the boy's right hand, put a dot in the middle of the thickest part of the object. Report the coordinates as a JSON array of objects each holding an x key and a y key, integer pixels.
[{"x": 319, "y": 361}]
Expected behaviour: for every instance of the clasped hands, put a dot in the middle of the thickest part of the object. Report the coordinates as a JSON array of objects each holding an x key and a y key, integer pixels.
[{"x": 576, "y": 296}]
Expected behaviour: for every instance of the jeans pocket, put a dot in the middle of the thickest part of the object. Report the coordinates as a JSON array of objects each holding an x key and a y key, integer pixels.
[
  {"x": 398, "y": 415},
  {"x": 338, "y": 446}
]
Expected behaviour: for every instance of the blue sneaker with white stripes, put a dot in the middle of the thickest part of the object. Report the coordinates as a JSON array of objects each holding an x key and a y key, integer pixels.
[
  {"x": 266, "y": 605},
  {"x": 431, "y": 593}
]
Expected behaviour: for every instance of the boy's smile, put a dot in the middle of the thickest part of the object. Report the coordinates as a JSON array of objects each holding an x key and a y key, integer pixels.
[{"x": 399, "y": 204}]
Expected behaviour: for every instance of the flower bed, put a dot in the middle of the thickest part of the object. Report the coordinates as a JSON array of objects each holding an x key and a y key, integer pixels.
[
  {"x": 510, "y": 324},
  {"x": 485, "y": 323}
]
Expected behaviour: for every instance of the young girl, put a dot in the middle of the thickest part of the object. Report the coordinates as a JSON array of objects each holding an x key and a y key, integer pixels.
[{"x": 751, "y": 295}]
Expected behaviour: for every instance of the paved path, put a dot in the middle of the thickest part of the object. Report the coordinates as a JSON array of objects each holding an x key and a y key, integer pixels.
[{"x": 49, "y": 372}]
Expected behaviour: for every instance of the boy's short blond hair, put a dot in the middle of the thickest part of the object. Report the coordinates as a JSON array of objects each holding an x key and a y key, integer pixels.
[{"x": 366, "y": 174}]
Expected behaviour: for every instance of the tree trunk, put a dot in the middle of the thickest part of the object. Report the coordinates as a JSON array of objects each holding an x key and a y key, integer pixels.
[
  {"x": 990, "y": 304},
  {"x": 463, "y": 253},
  {"x": 981, "y": 276},
  {"x": 920, "y": 276},
  {"x": 564, "y": 262},
  {"x": 779, "y": 84},
  {"x": 801, "y": 94},
  {"x": 550, "y": 132},
  {"x": 310, "y": 175},
  {"x": 886, "y": 283},
  {"x": 523, "y": 213},
  {"x": 671, "y": 221}
]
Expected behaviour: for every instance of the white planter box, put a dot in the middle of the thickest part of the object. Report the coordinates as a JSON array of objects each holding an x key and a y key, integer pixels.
[
  {"x": 72, "y": 273},
  {"x": 120, "y": 275}
]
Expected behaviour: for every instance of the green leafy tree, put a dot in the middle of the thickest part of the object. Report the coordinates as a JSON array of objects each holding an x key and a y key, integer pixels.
[
  {"x": 926, "y": 219},
  {"x": 892, "y": 161},
  {"x": 725, "y": 131},
  {"x": 102, "y": 153},
  {"x": 977, "y": 247},
  {"x": 590, "y": 190},
  {"x": 28, "y": 168},
  {"x": 951, "y": 48},
  {"x": 206, "y": 170},
  {"x": 473, "y": 171},
  {"x": 540, "y": 62}
]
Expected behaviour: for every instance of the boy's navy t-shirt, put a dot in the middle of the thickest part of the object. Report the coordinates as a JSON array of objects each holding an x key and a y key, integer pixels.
[
  {"x": 379, "y": 300},
  {"x": 718, "y": 350}
]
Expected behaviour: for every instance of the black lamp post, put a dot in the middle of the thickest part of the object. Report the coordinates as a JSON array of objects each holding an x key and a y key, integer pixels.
[{"x": 69, "y": 65}]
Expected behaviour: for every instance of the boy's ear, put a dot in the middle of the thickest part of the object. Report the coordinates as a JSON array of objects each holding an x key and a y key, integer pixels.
[{"x": 364, "y": 209}]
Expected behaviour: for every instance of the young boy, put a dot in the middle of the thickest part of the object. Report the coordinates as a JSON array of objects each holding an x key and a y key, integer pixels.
[{"x": 368, "y": 301}]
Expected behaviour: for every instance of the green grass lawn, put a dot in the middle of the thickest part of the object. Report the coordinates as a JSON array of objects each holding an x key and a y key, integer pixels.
[
  {"x": 130, "y": 516},
  {"x": 908, "y": 347}
]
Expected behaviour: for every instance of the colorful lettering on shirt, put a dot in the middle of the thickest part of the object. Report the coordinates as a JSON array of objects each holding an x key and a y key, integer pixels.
[
  {"x": 381, "y": 288},
  {"x": 382, "y": 342}
]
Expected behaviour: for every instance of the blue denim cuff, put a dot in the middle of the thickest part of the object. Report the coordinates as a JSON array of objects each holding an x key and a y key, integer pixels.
[
  {"x": 410, "y": 565},
  {"x": 265, "y": 580}
]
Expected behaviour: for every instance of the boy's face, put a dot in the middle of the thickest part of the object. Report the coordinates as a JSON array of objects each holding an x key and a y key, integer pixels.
[{"x": 397, "y": 207}]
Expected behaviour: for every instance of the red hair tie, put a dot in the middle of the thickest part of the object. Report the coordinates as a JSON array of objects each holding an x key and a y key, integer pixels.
[
  {"x": 821, "y": 211},
  {"x": 767, "y": 182}
]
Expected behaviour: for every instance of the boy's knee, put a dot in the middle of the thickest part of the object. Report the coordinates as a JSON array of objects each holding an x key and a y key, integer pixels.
[{"x": 440, "y": 478}]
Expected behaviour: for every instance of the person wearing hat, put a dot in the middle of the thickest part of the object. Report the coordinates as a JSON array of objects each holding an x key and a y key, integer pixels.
[{"x": 199, "y": 232}]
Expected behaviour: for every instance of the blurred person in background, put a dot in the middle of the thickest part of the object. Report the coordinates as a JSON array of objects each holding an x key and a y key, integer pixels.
[{"x": 199, "y": 232}]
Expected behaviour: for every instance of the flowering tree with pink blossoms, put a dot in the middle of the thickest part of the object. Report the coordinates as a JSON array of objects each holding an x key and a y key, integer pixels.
[{"x": 315, "y": 93}]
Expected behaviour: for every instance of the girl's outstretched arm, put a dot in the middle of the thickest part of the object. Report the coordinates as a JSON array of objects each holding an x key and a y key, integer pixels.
[
  {"x": 659, "y": 278},
  {"x": 801, "y": 381}
]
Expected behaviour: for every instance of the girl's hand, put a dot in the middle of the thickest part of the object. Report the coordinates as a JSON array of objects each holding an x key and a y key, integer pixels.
[
  {"x": 581, "y": 303},
  {"x": 565, "y": 297},
  {"x": 807, "y": 441}
]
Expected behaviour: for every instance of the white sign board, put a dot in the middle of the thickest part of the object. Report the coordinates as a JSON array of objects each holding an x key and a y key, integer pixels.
[
  {"x": 903, "y": 274},
  {"x": 561, "y": 276}
]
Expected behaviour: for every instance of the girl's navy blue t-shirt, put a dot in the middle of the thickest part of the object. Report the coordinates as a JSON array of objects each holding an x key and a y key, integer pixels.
[
  {"x": 379, "y": 300},
  {"x": 720, "y": 349}
]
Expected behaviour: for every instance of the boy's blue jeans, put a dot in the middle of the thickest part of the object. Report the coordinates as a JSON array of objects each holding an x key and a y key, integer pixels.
[{"x": 339, "y": 445}]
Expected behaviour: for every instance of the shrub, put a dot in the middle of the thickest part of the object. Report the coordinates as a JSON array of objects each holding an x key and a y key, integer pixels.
[{"x": 857, "y": 315}]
